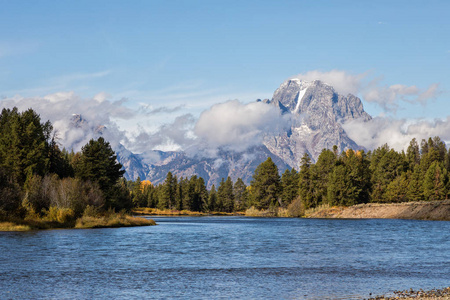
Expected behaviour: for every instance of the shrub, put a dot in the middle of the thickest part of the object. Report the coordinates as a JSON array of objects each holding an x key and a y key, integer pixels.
[{"x": 296, "y": 208}]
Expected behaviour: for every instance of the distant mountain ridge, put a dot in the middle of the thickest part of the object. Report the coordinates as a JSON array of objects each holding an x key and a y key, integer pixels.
[{"x": 316, "y": 112}]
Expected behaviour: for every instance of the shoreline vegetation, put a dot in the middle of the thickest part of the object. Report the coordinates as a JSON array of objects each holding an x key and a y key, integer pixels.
[
  {"x": 421, "y": 210},
  {"x": 60, "y": 219}
]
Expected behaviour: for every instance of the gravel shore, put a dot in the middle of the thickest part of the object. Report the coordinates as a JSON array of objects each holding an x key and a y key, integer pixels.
[{"x": 419, "y": 294}]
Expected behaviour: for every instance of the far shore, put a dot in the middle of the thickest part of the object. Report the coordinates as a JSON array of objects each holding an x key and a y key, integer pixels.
[
  {"x": 425, "y": 210},
  {"x": 146, "y": 211}
]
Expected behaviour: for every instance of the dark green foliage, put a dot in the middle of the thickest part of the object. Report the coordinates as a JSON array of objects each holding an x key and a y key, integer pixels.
[
  {"x": 306, "y": 182},
  {"x": 24, "y": 144},
  {"x": 10, "y": 193},
  {"x": 225, "y": 195},
  {"x": 118, "y": 197},
  {"x": 212, "y": 199},
  {"x": 168, "y": 192},
  {"x": 349, "y": 182},
  {"x": 415, "y": 186},
  {"x": 435, "y": 182},
  {"x": 386, "y": 165},
  {"x": 289, "y": 186},
  {"x": 397, "y": 190},
  {"x": 266, "y": 185},
  {"x": 321, "y": 173},
  {"x": 413, "y": 154},
  {"x": 240, "y": 195},
  {"x": 98, "y": 163}
]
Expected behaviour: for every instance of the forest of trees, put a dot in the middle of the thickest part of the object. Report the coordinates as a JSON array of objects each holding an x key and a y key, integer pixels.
[
  {"x": 351, "y": 177},
  {"x": 37, "y": 176}
]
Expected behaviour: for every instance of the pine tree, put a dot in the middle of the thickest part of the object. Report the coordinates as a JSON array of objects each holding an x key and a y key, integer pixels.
[
  {"x": 321, "y": 172},
  {"x": 435, "y": 182},
  {"x": 24, "y": 144},
  {"x": 289, "y": 186},
  {"x": 266, "y": 185},
  {"x": 413, "y": 154},
  {"x": 240, "y": 195},
  {"x": 98, "y": 163},
  {"x": 168, "y": 192},
  {"x": 225, "y": 194},
  {"x": 306, "y": 181},
  {"x": 212, "y": 199}
]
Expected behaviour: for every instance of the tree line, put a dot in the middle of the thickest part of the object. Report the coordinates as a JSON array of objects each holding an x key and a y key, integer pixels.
[
  {"x": 37, "y": 176},
  {"x": 344, "y": 179}
]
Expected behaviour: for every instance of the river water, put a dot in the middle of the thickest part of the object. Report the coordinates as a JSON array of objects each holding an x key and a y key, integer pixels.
[{"x": 227, "y": 257}]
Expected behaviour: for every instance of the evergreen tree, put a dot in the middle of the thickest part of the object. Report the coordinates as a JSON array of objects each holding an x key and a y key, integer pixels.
[
  {"x": 386, "y": 165},
  {"x": 10, "y": 194},
  {"x": 413, "y": 154},
  {"x": 306, "y": 182},
  {"x": 168, "y": 192},
  {"x": 225, "y": 194},
  {"x": 349, "y": 182},
  {"x": 435, "y": 182},
  {"x": 266, "y": 185},
  {"x": 415, "y": 186},
  {"x": 24, "y": 144},
  {"x": 98, "y": 163},
  {"x": 321, "y": 172},
  {"x": 397, "y": 190},
  {"x": 240, "y": 195},
  {"x": 200, "y": 195},
  {"x": 219, "y": 201},
  {"x": 289, "y": 186},
  {"x": 212, "y": 199}
]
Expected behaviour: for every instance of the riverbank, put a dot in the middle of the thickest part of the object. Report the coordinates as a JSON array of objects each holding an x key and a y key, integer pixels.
[
  {"x": 109, "y": 220},
  {"x": 146, "y": 211},
  {"x": 432, "y": 210},
  {"x": 435, "y": 294}
]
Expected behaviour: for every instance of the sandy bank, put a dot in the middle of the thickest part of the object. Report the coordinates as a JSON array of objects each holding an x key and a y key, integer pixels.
[{"x": 432, "y": 210}]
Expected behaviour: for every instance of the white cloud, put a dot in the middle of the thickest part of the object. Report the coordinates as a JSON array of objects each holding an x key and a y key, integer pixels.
[
  {"x": 396, "y": 133},
  {"x": 388, "y": 97},
  {"x": 60, "y": 107},
  {"x": 342, "y": 81},
  {"x": 238, "y": 126}
]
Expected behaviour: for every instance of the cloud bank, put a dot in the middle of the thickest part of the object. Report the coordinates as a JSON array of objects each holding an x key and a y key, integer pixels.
[
  {"x": 239, "y": 126},
  {"x": 231, "y": 125},
  {"x": 371, "y": 89},
  {"x": 396, "y": 133}
]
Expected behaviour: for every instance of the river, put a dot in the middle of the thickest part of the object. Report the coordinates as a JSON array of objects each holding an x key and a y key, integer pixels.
[{"x": 227, "y": 257}]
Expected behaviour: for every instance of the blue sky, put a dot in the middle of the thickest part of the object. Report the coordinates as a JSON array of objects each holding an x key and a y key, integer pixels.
[{"x": 193, "y": 54}]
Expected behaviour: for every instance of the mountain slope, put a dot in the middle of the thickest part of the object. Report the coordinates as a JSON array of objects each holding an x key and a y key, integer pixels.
[{"x": 316, "y": 112}]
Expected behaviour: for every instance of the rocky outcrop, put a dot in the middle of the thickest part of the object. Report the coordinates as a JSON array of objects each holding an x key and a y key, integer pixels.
[{"x": 317, "y": 113}]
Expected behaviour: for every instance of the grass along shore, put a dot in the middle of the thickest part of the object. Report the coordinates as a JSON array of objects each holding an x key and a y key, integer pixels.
[
  {"x": 63, "y": 220},
  {"x": 147, "y": 211}
]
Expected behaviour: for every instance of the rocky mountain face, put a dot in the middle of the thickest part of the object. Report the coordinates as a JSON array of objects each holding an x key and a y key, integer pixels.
[{"x": 316, "y": 112}]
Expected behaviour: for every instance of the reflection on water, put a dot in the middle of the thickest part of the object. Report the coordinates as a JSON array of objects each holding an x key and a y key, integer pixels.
[{"x": 228, "y": 257}]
